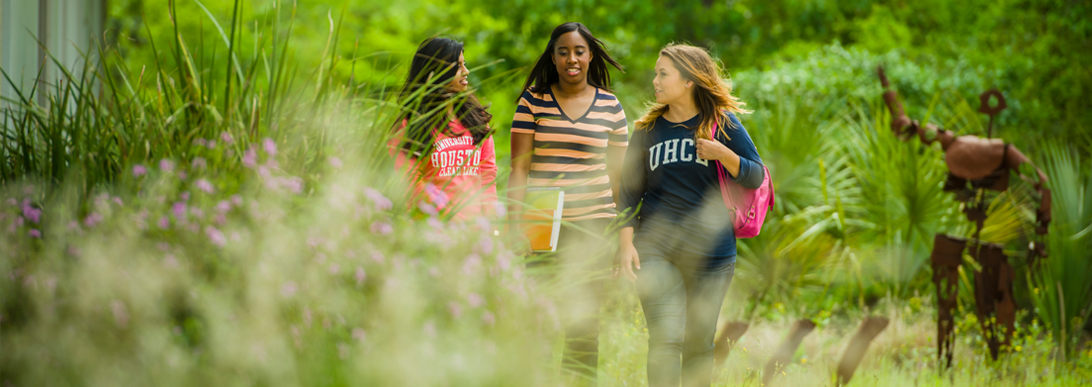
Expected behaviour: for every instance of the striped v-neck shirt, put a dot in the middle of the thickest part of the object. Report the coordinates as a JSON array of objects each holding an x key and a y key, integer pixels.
[{"x": 572, "y": 153}]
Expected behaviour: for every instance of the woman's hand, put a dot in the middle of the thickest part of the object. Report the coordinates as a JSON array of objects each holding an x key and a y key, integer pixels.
[
  {"x": 628, "y": 259},
  {"x": 713, "y": 150}
]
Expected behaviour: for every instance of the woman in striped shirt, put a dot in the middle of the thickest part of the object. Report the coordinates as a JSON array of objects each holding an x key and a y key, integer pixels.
[{"x": 570, "y": 131}]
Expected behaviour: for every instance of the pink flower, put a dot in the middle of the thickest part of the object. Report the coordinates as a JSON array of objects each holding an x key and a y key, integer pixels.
[
  {"x": 34, "y": 233},
  {"x": 31, "y": 213},
  {"x": 270, "y": 146},
  {"x": 204, "y": 185},
  {"x": 236, "y": 200},
  {"x": 293, "y": 184},
  {"x": 182, "y": 175},
  {"x": 200, "y": 142},
  {"x": 166, "y": 165},
  {"x": 485, "y": 245},
  {"x": 179, "y": 210},
  {"x": 223, "y": 206},
  {"x": 197, "y": 213},
  {"x": 212, "y": 144},
  {"x": 382, "y": 228},
  {"x": 118, "y": 201},
  {"x": 216, "y": 236},
  {"x": 226, "y": 138},
  {"x": 474, "y": 300},
  {"x": 488, "y": 318},
  {"x": 378, "y": 257},
  {"x": 199, "y": 163},
  {"x": 164, "y": 222},
  {"x": 289, "y": 289},
  {"x": 139, "y": 170},
  {"x": 381, "y": 202},
  {"x": 455, "y": 309},
  {"x": 473, "y": 261},
  {"x": 335, "y": 162},
  {"x": 185, "y": 195},
  {"x": 436, "y": 195},
  {"x": 92, "y": 220},
  {"x": 250, "y": 158},
  {"x": 334, "y": 268},
  {"x": 360, "y": 275},
  {"x": 427, "y": 208},
  {"x": 359, "y": 334}
]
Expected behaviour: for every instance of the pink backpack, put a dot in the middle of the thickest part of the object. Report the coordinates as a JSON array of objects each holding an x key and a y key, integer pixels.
[{"x": 752, "y": 207}]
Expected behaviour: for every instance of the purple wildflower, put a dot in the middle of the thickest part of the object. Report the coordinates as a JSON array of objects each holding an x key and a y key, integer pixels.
[
  {"x": 488, "y": 318},
  {"x": 382, "y": 228},
  {"x": 179, "y": 210},
  {"x": 200, "y": 142},
  {"x": 166, "y": 165},
  {"x": 427, "y": 208},
  {"x": 204, "y": 185},
  {"x": 199, "y": 162},
  {"x": 381, "y": 202},
  {"x": 212, "y": 144},
  {"x": 360, "y": 275},
  {"x": 474, "y": 300},
  {"x": 139, "y": 170},
  {"x": 236, "y": 200},
  {"x": 223, "y": 206},
  {"x": 164, "y": 222},
  {"x": 34, "y": 233},
  {"x": 270, "y": 146},
  {"x": 92, "y": 220},
  {"x": 31, "y": 213},
  {"x": 436, "y": 195},
  {"x": 335, "y": 162},
  {"x": 226, "y": 138},
  {"x": 250, "y": 158},
  {"x": 216, "y": 236},
  {"x": 455, "y": 309},
  {"x": 289, "y": 289}
]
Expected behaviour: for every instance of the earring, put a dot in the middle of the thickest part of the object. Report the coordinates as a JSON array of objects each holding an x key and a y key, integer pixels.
[{"x": 687, "y": 85}]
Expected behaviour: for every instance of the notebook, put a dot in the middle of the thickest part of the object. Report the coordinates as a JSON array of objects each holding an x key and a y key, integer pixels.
[{"x": 542, "y": 217}]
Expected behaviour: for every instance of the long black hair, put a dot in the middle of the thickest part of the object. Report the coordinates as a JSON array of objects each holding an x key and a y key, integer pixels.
[
  {"x": 545, "y": 73},
  {"x": 426, "y": 100}
]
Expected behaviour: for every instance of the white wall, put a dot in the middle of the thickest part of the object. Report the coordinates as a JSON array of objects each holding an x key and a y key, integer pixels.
[{"x": 66, "y": 27}]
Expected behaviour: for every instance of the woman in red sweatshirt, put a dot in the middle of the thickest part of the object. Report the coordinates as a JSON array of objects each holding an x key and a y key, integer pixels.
[{"x": 444, "y": 140}]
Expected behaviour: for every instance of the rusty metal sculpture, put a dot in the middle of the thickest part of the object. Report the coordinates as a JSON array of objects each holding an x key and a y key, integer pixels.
[{"x": 984, "y": 164}]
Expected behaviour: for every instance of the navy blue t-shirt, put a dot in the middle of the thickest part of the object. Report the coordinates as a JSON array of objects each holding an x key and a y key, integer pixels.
[{"x": 678, "y": 193}]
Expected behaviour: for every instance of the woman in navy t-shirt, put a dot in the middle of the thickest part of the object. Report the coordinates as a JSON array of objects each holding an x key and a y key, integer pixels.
[{"x": 679, "y": 244}]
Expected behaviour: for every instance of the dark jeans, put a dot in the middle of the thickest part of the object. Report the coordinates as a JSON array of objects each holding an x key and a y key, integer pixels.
[
  {"x": 681, "y": 297},
  {"x": 577, "y": 273}
]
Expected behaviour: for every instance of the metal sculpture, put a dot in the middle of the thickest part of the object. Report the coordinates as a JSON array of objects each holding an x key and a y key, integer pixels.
[{"x": 975, "y": 165}]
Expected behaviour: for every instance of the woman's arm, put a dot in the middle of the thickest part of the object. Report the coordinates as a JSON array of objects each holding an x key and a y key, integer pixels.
[
  {"x": 488, "y": 171},
  {"x": 739, "y": 156},
  {"x": 522, "y": 149}
]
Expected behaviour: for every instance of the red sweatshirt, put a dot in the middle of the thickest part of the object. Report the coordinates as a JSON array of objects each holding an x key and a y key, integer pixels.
[{"x": 466, "y": 174}]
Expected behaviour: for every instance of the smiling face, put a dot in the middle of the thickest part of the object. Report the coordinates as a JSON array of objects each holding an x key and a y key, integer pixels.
[
  {"x": 572, "y": 57},
  {"x": 669, "y": 83},
  {"x": 459, "y": 83}
]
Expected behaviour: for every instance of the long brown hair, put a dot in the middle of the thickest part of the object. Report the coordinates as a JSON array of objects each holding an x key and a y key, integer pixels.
[
  {"x": 713, "y": 94},
  {"x": 545, "y": 74}
]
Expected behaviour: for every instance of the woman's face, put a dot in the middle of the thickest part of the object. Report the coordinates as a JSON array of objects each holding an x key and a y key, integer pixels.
[
  {"x": 459, "y": 83},
  {"x": 572, "y": 57},
  {"x": 669, "y": 83}
]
